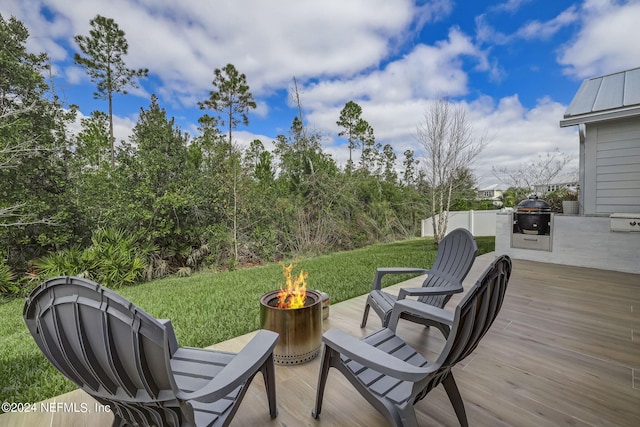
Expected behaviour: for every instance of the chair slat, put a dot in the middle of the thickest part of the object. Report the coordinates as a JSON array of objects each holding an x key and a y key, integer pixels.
[
  {"x": 70, "y": 350},
  {"x": 116, "y": 355},
  {"x": 91, "y": 358}
]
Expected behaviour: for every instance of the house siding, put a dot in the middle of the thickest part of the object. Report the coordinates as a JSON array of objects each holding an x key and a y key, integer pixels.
[{"x": 614, "y": 152}]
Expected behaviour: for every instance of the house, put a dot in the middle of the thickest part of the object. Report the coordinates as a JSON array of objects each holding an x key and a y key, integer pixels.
[
  {"x": 554, "y": 186},
  {"x": 606, "y": 233},
  {"x": 492, "y": 192},
  {"x": 606, "y": 110}
]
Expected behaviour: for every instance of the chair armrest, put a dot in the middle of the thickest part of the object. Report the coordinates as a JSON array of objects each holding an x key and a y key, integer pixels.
[
  {"x": 380, "y": 272},
  {"x": 419, "y": 309},
  {"x": 244, "y": 365},
  {"x": 435, "y": 290},
  {"x": 171, "y": 335},
  {"x": 372, "y": 357}
]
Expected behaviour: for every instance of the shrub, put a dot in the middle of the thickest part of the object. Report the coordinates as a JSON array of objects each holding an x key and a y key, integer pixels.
[
  {"x": 67, "y": 262},
  {"x": 113, "y": 260},
  {"x": 555, "y": 198},
  {"x": 7, "y": 286}
]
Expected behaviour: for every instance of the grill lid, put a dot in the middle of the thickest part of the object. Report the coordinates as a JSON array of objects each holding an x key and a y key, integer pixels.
[{"x": 533, "y": 204}]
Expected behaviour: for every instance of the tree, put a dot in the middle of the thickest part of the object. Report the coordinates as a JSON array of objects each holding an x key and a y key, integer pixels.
[
  {"x": 162, "y": 149},
  {"x": 513, "y": 195},
  {"x": 232, "y": 100},
  {"x": 252, "y": 154},
  {"x": 301, "y": 157},
  {"x": 410, "y": 164},
  {"x": 34, "y": 202},
  {"x": 307, "y": 180},
  {"x": 389, "y": 163},
  {"x": 158, "y": 191},
  {"x": 464, "y": 194},
  {"x": 371, "y": 154},
  {"x": 451, "y": 145},
  {"x": 264, "y": 172},
  {"x": 92, "y": 142},
  {"x": 539, "y": 172},
  {"x": 357, "y": 130},
  {"x": 104, "y": 48},
  {"x": 93, "y": 179}
]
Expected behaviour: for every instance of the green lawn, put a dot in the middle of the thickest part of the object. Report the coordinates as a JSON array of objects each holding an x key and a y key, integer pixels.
[{"x": 208, "y": 308}]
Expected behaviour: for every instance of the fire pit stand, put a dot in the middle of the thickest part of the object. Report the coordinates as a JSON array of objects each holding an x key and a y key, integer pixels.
[{"x": 300, "y": 329}]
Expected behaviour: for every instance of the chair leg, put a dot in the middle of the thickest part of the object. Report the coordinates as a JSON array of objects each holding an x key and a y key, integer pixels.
[
  {"x": 269, "y": 375},
  {"x": 365, "y": 316},
  {"x": 451, "y": 388},
  {"x": 444, "y": 329},
  {"x": 407, "y": 415},
  {"x": 322, "y": 380}
]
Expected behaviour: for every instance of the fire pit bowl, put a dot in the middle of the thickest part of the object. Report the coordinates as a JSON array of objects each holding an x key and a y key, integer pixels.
[{"x": 300, "y": 329}]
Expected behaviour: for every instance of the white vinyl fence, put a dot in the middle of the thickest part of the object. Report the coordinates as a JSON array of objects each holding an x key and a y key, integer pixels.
[{"x": 479, "y": 223}]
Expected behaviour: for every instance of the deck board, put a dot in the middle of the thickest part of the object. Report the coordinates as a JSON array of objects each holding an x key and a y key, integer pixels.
[{"x": 565, "y": 350}]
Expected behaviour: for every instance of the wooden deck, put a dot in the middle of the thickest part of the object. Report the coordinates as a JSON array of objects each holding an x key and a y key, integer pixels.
[{"x": 565, "y": 350}]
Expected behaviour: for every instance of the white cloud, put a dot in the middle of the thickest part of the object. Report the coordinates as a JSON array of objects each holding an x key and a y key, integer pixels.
[
  {"x": 432, "y": 11},
  {"x": 518, "y": 134},
  {"x": 605, "y": 42},
  {"x": 515, "y": 134},
  {"x": 75, "y": 75},
  {"x": 182, "y": 42},
  {"x": 510, "y": 5},
  {"x": 531, "y": 30},
  {"x": 486, "y": 33},
  {"x": 338, "y": 51},
  {"x": 427, "y": 71},
  {"x": 545, "y": 30}
]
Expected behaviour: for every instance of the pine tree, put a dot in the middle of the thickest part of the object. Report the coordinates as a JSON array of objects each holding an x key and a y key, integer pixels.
[{"x": 104, "y": 48}]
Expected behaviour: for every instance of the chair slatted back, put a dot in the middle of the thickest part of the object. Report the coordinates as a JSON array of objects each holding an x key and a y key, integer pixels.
[
  {"x": 456, "y": 254},
  {"x": 100, "y": 341},
  {"x": 477, "y": 311},
  {"x": 473, "y": 317}
]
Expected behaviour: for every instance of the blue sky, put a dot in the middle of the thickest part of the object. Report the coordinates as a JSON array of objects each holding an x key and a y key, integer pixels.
[{"x": 514, "y": 64}]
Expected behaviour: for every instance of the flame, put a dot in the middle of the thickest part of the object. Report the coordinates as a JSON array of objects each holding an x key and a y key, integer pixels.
[{"x": 294, "y": 292}]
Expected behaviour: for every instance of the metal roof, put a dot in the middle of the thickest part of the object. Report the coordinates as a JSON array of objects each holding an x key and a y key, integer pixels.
[
  {"x": 605, "y": 98},
  {"x": 492, "y": 187}
]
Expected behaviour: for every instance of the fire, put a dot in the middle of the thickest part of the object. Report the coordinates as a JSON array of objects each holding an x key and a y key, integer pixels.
[{"x": 294, "y": 292}]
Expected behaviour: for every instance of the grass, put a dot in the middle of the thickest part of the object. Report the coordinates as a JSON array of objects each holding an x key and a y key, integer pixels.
[{"x": 208, "y": 308}]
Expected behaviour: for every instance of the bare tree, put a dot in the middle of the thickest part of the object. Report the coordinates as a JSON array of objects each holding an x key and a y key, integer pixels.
[
  {"x": 16, "y": 216},
  {"x": 541, "y": 171},
  {"x": 451, "y": 145}
]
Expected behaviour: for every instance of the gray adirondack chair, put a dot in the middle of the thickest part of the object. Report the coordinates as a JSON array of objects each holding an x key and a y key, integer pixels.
[
  {"x": 391, "y": 375},
  {"x": 456, "y": 254},
  {"x": 127, "y": 359}
]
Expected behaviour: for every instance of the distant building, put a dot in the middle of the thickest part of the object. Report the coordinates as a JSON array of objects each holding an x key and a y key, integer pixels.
[
  {"x": 547, "y": 188},
  {"x": 493, "y": 193}
]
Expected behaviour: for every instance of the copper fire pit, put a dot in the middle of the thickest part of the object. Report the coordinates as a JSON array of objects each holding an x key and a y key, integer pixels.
[{"x": 300, "y": 329}]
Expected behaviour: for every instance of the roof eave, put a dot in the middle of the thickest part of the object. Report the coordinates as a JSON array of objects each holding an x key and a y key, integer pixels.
[{"x": 600, "y": 116}]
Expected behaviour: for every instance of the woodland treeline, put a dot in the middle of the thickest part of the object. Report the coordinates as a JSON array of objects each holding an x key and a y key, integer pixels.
[{"x": 167, "y": 202}]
